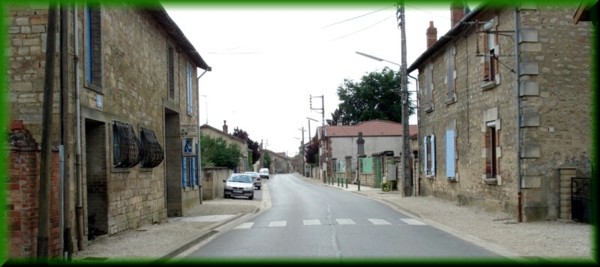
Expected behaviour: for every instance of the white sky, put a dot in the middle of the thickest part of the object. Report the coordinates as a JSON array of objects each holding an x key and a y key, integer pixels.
[{"x": 267, "y": 61}]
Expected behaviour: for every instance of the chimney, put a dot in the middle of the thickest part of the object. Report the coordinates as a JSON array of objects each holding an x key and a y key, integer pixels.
[
  {"x": 225, "y": 126},
  {"x": 431, "y": 35},
  {"x": 457, "y": 12}
]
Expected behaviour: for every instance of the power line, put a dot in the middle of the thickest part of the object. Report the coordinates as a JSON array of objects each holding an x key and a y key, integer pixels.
[{"x": 353, "y": 18}]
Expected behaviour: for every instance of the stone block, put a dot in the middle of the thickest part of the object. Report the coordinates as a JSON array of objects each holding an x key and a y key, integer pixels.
[
  {"x": 531, "y": 182},
  {"x": 530, "y": 151},
  {"x": 528, "y": 35},
  {"x": 529, "y": 68},
  {"x": 529, "y": 88}
]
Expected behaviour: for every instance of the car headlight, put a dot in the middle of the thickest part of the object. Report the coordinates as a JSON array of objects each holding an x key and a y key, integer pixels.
[
  {"x": 248, "y": 187},
  {"x": 228, "y": 187}
]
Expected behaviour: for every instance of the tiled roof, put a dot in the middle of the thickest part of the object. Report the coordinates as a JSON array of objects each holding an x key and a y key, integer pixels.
[{"x": 369, "y": 128}]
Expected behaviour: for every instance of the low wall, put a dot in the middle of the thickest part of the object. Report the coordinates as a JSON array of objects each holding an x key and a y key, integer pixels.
[{"x": 212, "y": 182}]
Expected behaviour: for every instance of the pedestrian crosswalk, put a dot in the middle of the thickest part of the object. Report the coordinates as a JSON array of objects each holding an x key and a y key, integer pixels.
[{"x": 338, "y": 221}]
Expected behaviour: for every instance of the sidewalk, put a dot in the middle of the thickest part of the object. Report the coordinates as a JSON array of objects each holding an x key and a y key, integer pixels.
[{"x": 550, "y": 240}]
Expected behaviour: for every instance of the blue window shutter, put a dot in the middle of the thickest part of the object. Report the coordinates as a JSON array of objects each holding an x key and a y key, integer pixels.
[
  {"x": 425, "y": 156},
  {"x": 432, "y": 155},
  {"x": 193, "y": 171},
  {"x": 450, "y": 154},
  {"x": 183, "y": 172}
]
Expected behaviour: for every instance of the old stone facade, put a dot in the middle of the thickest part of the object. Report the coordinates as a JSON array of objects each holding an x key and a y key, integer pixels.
[
  {"x": 499, "y": 122},
  {"x": 125, "y": 93}
]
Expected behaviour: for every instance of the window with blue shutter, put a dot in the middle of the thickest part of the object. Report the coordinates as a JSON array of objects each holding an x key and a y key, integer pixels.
[
  {"x": 189, "y": 90},
  {"x": 184, "y": 173},
  {"x": 432, "y": 155},
  {"x": 450, "y": 170}
]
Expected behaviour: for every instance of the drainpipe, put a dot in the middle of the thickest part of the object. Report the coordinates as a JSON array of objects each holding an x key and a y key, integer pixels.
[
  {"x": 198, "y": 148},
  {"x": 65, "y": 222},
  {"x": 518, "y": 116},
  {"x": 79, "y": 180}
]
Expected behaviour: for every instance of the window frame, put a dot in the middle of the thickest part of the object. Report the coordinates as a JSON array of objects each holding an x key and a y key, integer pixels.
[
  {"x": 429, "y": 156},
  {"x": 450, "y": 74},
  {"x": 93, "y": 48},
  {"x": 190, "y": 95}
]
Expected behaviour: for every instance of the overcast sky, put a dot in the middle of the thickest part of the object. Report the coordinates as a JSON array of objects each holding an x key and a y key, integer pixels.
[{"x": 267, "y": 61}]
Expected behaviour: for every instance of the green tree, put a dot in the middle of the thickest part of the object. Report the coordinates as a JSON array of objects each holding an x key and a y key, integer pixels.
[
  {"x": 252, "y": 145},
  {"x": 266, "y": 160},
  {"x": 312, "y": 151},
  {"x": 217, "y": 153},
  {"x": 376, "y": 96}
]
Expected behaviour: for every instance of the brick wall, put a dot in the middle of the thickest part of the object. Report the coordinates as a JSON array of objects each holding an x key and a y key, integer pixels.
[{"x": 23, "y": 194}]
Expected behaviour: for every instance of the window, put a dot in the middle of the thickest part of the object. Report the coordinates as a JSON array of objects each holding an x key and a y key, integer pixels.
[
  {"x": 152, "y": 152},
  {"x": 488, "y": 46},
  {"x": 190, "y": 99},
  {"x": 429, "y": 156},
  {"x": 491, "y": 144},
  {"x": 171, "y": 72},
  {"x": 429, "y": 88},
  {"x": 450, "y": 154},
  {"x": 189, "y": 176},
  {"x": 450, "y": 75},
  {"x": 126, "y": 146},
  {"x": 93, "y": 49}
]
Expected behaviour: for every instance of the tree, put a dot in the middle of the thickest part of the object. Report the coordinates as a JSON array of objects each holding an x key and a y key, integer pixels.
[
  {"x": 376, "y": 96},
  {"x": 217, "y": 153},
  {"x": 252, "y": 145},
  {"x": 312, "y": 151},
  {"x": 266, "y": 160}
]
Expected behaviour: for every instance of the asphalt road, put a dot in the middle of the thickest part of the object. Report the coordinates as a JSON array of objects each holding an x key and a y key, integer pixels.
[{"x": 309, "y": 220}]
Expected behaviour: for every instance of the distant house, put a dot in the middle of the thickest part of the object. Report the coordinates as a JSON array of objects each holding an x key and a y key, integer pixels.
[
  {"x": 243, "y": 164},
  {"x": 280, "y": 162},
  {"x": 339, "y": 141},
  {"x": 125, "y": 103},
  {"x": 504, "y": 118}
]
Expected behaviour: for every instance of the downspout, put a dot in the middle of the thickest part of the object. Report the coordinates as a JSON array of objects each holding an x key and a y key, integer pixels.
[
  {"x": 518, "y": 117},
  {"x": 79, "y": 183},
  {"x": 199, "y": 147},
  {"x": 64, "y": 224},
  {"x": 416, "y": 180}
]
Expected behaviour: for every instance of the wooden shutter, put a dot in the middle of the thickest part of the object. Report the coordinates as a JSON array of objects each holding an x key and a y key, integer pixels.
[{"x": 450, "y": 168}]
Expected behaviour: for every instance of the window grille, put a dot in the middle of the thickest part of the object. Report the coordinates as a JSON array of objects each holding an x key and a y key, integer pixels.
[
  {"x": 126, "y": 146},
  {"x": 152, "y": 152}
]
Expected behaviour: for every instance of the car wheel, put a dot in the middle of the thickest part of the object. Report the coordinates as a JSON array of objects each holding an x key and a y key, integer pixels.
[
  {"x": 251, "y": 197},
  {"x": 258, "y": 187}
]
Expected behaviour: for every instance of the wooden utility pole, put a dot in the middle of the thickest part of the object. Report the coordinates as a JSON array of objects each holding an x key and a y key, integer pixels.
[
  {"x": 407, "y": 181},
  {"x": 45, "y": 169}
]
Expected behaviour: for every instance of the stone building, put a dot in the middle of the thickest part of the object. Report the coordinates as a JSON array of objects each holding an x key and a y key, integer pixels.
[
  {"x": 125, "y": 106},
  {"x": 505, "y": 109},
  {"x": 378, "y": 135}
]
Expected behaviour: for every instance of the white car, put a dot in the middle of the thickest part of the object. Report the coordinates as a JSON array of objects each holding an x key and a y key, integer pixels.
[
  {"x": 256, "y": 178},
  {"x": 264, "y": 173},
  {"x": 239, "y": 184}
]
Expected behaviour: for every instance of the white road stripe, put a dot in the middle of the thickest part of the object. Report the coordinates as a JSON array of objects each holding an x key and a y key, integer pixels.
[
  {"x": 345, "y": 221},
  {"x": 312, "y": 222},
  {"x": 379, "y": 222},
  {"x": 277, "y": 223},
  {"x": 246, "y": 225},
  {"x": 412, "y": 221}
]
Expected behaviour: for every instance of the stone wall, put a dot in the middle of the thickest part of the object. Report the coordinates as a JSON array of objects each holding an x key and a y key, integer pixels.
[{"x": 554, "y": 100}]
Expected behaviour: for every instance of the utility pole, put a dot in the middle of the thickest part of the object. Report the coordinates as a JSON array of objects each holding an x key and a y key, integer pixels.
[
  {"x": 302, "y": 150},
  {"x": 407, "y": 182},
  {"x": 46, "y": 166}
]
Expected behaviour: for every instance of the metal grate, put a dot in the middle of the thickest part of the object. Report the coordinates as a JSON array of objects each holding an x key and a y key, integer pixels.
[
  {"x": 152, "y": 152},
  {"x": 126, "y": 146}
]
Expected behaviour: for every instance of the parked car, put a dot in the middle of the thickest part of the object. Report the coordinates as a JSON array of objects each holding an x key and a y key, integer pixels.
[
  {"x": 256, "y": 179},
  {"x": 264, "y": 173},
  {"x": 239, "y": 184}
]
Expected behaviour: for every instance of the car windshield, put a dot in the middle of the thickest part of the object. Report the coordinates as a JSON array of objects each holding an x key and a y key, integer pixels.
[{"x": 241, "y": 179}]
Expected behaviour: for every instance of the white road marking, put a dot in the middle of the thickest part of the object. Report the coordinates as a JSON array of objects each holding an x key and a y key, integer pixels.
[
  {"x": 277, "y": 223},
  {"x": 312, "y": 222},
  {"x": 246, "y": 225},
  {"x": 412, "y": 221},
  {"x": 345, "y": 221},
  {"x": 379, "y": 222}
]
